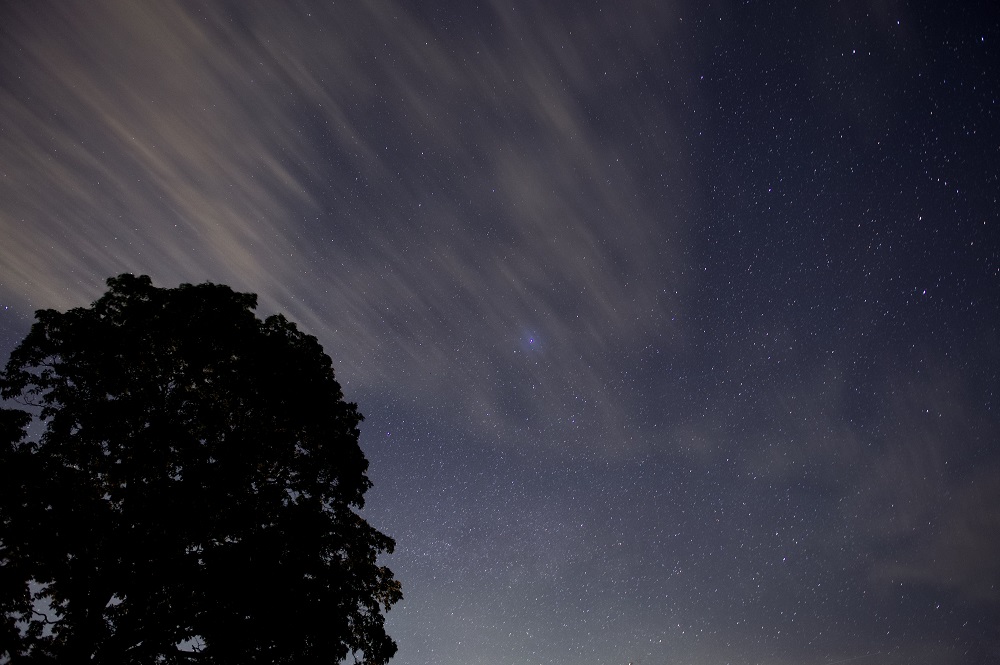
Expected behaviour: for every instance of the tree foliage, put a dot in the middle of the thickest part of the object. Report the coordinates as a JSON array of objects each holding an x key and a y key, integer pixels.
[{"x": 188, "y": 491}]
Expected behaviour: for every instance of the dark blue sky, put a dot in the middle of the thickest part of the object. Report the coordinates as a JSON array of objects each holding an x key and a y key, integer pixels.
[{"x": 674, "y": 323}]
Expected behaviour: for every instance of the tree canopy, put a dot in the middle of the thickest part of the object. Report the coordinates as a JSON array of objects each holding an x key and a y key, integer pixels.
[{"x": 181, "y": 486}]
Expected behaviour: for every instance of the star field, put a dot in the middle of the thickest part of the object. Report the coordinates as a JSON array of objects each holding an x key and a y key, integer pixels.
[{"x": 674, "y": 324}]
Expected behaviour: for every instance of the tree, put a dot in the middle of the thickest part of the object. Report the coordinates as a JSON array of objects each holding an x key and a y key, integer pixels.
[{"x": 189, "y": 492}]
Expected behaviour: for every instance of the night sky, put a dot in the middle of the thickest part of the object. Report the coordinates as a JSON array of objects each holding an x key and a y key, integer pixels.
[{"x": 675, "y": 324}]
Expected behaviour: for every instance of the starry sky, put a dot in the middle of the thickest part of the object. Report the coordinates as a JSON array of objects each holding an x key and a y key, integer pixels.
[{"x": 675, "y": 323}]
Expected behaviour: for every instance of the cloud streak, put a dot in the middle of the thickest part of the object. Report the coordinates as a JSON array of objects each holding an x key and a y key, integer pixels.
[{"x": 241, "y": 148}]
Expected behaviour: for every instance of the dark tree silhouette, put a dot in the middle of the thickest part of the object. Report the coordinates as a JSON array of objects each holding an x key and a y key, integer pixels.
[{"x": 188, "y": 492}]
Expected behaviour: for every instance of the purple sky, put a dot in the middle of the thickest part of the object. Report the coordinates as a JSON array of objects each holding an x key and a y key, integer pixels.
[{"x": 675, "y": 324}]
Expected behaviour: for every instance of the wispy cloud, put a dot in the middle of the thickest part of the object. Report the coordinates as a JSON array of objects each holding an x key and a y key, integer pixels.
[{"x": 437, "y": 198}]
